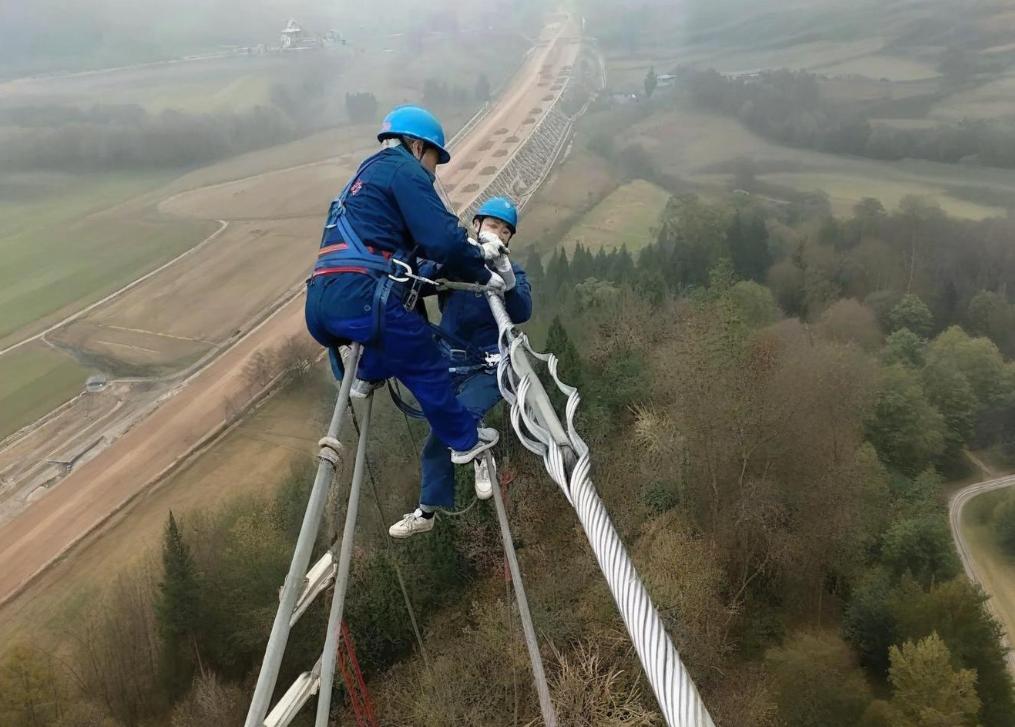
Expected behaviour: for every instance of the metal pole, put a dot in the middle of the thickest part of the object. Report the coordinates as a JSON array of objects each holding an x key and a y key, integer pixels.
[
  {"x": 301, "y": 558},
  {"x": 538, "y": 675},
  {"x": 342, "y": 576}
]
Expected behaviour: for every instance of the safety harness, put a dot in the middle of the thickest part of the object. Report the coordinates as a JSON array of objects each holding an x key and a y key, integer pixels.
[
  {"x": 465, "y": 358},
  {"x": 343, "y": 251}
]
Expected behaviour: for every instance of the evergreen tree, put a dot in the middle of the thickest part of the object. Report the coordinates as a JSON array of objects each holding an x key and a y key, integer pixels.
[
  {"x": 868, "y": 623},
  {"x": 582, "y": 264},
  {"x": 536, "y": 274},
  {"x": 177, "y": 608},
  {"x": 621, "y": 266},
  {"x": 601, "y": 263},
  {"x": 558, "y": 272}
]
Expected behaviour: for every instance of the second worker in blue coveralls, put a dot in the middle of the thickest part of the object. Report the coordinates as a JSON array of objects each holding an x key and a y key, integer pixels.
[
  {"x": 469, "y": 335},
  {"x": 389, "y": 213}
]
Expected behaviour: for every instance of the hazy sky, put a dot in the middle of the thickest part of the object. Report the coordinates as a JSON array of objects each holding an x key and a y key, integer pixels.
[{"x": 59, "y": 33}]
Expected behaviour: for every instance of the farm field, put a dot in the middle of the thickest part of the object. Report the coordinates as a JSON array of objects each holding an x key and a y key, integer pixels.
[
  {"x": 42, "y": 281},
  {"x": 629, "y": 216},
  {"x": 995, "y": 568},
  {"x": 34, "y": 380},
  {"x": 992, "y": 100},
  {"x": 220, "y": 84},
  {"x": 699, "y": 147},
  {"x": 171, "y": 319},
  {"x": 879, "y": 65},
  {"x": 571, "y": 190},
  {"x": 846, "y": 189}
]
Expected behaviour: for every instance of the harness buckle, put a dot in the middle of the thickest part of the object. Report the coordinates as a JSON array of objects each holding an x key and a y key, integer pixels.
[{"x": 412, "y": 296}]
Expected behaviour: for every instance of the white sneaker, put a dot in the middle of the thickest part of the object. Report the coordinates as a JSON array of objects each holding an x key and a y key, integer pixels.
[
  {"x": 487, "y": 438},
  {"x": 410, "y": 524},
  {"x": 361, "y": 388},
  {"x": 484, "y": 484}
]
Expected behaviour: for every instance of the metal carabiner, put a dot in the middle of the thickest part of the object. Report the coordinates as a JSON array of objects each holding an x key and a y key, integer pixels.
[{"x": 408, "y": 271}]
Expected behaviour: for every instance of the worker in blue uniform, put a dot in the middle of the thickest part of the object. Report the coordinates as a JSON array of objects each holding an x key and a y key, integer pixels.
[
  {"x": 362, "y": 287},
  {"x": 469, "y": 336}
]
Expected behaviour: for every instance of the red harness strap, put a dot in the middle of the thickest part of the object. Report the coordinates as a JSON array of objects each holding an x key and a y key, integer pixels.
[{"x": 346, "y": 268}]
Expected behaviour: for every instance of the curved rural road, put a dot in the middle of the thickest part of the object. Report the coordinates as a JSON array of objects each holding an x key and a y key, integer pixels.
[
  {"x": 955, "y": 506},
  {"x": 197, "y": 410}
]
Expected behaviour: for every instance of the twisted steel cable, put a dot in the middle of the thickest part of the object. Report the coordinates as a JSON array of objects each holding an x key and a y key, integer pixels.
[{"x": 567, "y": 459}]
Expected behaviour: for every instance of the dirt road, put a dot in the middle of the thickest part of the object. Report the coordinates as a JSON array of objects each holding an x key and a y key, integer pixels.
[
  {"x": 973, "y": 569},
  {"x": 196, "y": 410}
]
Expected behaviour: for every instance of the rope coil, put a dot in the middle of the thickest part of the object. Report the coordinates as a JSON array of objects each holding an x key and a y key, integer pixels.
[{"x": 331, "y": 450}]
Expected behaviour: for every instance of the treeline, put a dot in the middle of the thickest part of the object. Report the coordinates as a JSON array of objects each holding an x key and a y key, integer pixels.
[
  {"x": 788, "y": 107},
  {"x": 810, "y": 259},
  {"x": 930, "y": 287},
  {"x": 439, "y": 94},
  {"x": 110, "y": 137},
  {"x": 361, "y": 107}
]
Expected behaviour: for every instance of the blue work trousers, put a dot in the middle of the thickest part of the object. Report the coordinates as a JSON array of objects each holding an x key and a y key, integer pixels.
[
  {"x": 478, "y": 393},
  {"x": 405, "y": 350}
]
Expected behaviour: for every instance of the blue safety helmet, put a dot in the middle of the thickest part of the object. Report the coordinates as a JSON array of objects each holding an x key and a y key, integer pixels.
[
  {"x": 501, "y": 208},
  {"x": 417, "y": 123}
]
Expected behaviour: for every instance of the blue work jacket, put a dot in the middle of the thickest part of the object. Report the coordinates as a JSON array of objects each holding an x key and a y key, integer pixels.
[
  {"x": 466, "y": 315},
  {"x": 393, "y": 207}
]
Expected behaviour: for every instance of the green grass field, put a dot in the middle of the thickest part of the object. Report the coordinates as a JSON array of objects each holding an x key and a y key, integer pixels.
[
  {"x": 628, "y": 216},
  {"x": 996, "y": 567},
  {"x": 34, "y": 380},
  {"x": 995, "y": 99},
  {"x": 699, "y": 147},
  {"x": 574, "y": 188},
  {"x": 61, "y": 250},
  {"x": 845, "y": 189}
]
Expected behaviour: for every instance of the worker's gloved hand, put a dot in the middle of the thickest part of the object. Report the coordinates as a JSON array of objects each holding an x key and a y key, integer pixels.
[
  {"x": 502, "y": 266},
  {"x": 491, "y": 245},
  {"x": 496, "y": 283}
]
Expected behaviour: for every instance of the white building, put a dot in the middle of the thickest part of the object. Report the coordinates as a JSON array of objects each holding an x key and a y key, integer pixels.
[{"x": 292, "y": 35}]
